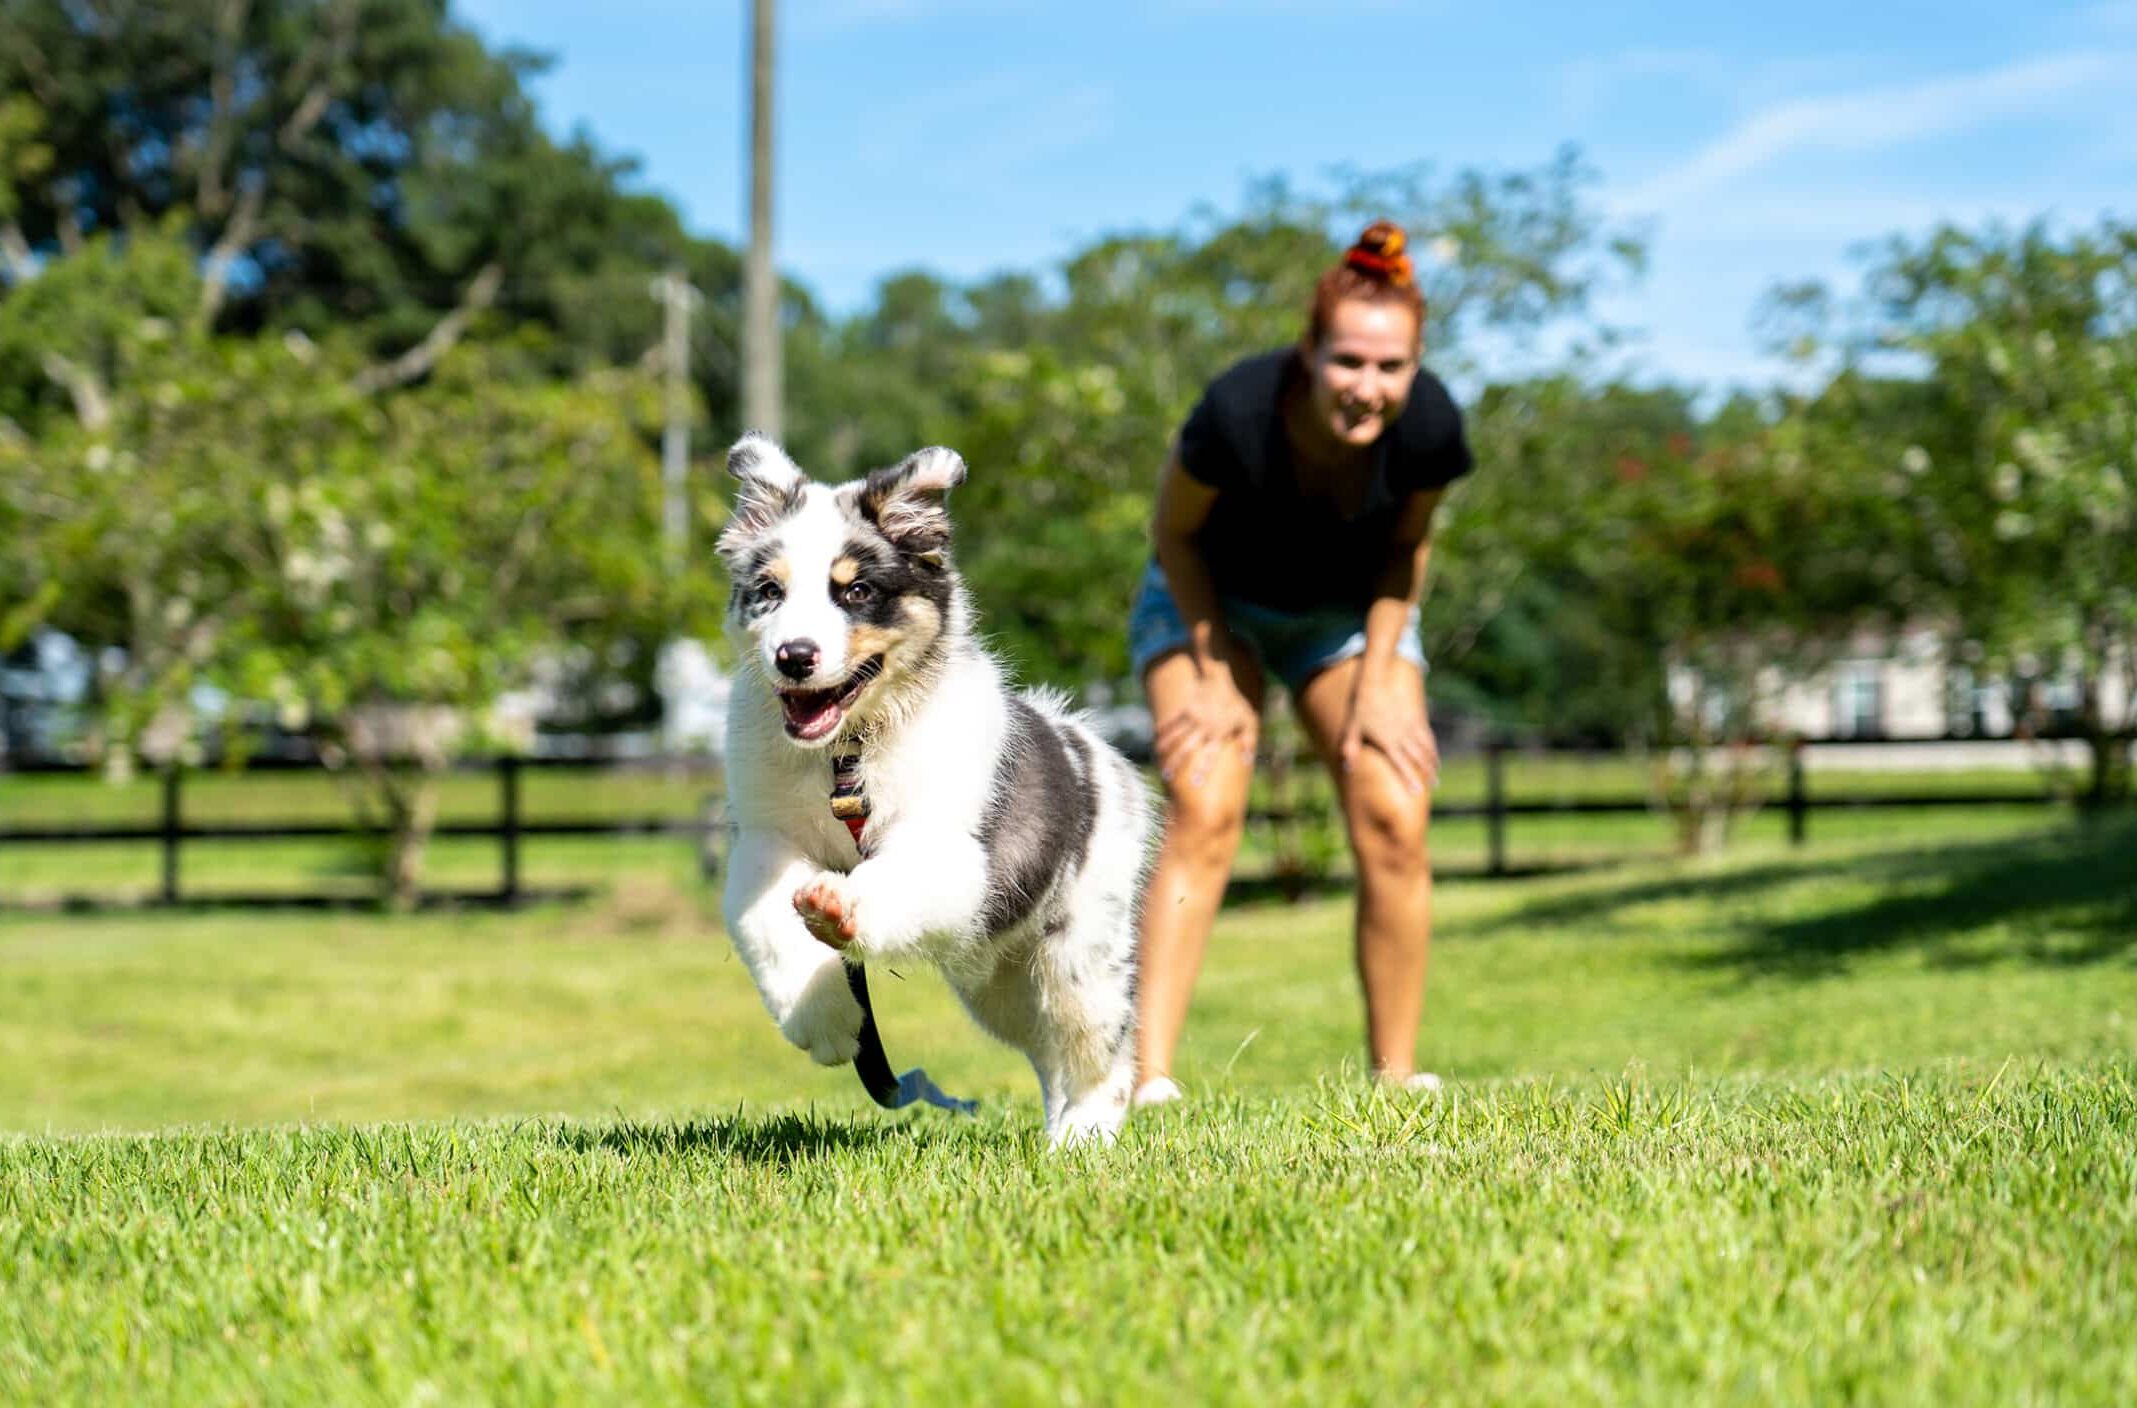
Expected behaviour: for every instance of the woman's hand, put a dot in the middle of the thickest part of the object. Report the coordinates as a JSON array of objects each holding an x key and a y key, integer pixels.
[
  {"x": 1390, "y": 721},
  {"x": 1193, "y": 736}
]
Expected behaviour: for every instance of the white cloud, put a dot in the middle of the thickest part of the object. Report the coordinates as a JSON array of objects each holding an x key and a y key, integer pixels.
[
  {"x": 1843, "y": 219},
  {"x": 1588, "y": 86},
  {"x": 1585, "y": 84},
  {"x": 983, "y": 129},
  {"x": 1877, "y": 119}
]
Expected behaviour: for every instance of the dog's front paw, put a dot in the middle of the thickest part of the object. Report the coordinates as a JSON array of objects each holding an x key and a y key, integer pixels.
[
  {"x": 827, "y": 907},
  {"x": 825, "y": 1021}
]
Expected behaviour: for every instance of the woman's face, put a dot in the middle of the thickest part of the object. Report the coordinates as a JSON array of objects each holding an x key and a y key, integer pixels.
[{"x": 1362, "y": 370}]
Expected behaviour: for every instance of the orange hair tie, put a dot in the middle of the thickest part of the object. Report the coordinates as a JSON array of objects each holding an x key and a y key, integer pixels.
[
  {"x": 1397, "y": 271},
  {"x": 1380, "y": 251}
]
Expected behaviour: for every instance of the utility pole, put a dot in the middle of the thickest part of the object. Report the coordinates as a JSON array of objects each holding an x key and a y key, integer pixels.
[
  {"x": 763, "y": 395},
  {"x": 678, "y": 299}
]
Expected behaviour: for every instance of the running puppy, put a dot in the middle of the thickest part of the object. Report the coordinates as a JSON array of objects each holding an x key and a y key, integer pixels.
[{"x": 1003, "y": 841}]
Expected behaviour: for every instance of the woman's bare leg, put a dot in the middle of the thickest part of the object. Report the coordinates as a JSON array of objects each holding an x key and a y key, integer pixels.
[
  {"x": 1205, "y": 815},
  {"x": 1388, "y": 825}
]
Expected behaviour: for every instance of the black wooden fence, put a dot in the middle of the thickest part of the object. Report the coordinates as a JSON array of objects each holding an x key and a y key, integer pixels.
[{"x": 510, "y": 828}]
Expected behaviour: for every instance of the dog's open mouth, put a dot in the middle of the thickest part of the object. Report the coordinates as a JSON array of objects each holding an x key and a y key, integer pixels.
[{"x": 812, "y": 714}]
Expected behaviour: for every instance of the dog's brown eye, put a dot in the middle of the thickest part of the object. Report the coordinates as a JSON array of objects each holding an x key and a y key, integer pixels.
[
  {"x": 767, "y": 592},
  {"x": 859, "y": 594}
]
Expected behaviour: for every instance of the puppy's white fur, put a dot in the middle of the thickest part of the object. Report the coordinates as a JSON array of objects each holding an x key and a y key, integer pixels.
[{"x": 972, "y": 790}]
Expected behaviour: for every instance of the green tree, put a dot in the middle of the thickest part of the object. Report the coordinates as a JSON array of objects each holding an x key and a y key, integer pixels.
[
  {"x": 360, "y": 168},
  {"x": 1635, "y": 572},
  {"x": 1743, "y": 566},
  {"x": 376, "y": 565},
  {"x": 2005, "y": 416},
  {"x": 438, "y": 548}
]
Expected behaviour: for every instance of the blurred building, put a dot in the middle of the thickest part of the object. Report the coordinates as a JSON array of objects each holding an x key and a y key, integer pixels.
[
  {"x": 694, "y": 694},
  {"x": 1910, "y": 686},
  {"x": 44, "y": 684}
]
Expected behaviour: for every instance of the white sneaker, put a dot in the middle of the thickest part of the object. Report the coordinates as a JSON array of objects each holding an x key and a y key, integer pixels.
[
  {"x": 1158, "y": 1090},
  {"x": 1419, "y": 1083}
]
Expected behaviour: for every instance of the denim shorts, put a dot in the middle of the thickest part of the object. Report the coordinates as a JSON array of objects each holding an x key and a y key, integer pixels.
[{"x": 1292, "y": 645}]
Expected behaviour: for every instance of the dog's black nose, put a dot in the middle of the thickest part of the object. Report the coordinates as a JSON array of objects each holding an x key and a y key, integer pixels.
[{"x": 797, "y": 658}]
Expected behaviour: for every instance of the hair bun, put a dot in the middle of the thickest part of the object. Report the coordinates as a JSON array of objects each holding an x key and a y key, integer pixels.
[{"x": 1380, "y": 251}]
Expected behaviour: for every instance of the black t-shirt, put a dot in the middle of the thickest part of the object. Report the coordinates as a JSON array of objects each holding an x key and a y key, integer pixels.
[{"x": 1268, "y": 542}]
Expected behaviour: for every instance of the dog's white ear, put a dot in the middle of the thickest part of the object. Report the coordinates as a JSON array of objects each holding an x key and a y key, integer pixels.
[
  {"x": 757, "y": 461},
  {"x": 768, "y": 488},
  {"x": 936, "y": 470},
  {"x": 904, "y": 501}
]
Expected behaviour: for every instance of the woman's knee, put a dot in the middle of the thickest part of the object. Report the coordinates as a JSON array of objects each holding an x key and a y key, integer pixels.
[
  {"x": 1205, "y": 821},
  {"x": 1389, "y": 827}
]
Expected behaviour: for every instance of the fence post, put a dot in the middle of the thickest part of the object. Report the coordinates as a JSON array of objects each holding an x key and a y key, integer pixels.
[
  {"x": 170, "y": 832},
  {"x": 508, "y": 825},
  {"x": 1495, "y": 804},
  {"x": 1799, "y": 810}
]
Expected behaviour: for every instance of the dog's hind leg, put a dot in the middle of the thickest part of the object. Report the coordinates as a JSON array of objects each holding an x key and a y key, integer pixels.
[
  {"x": 1005, "y": 1004},
  {"x": 802, "y": 982},
  {"x": 1087, "y": 973},
  {"x": 1076, "y": 1035},
  {"x": 1100, "y": 1108},
  {"x": 1085, "y": 984}
]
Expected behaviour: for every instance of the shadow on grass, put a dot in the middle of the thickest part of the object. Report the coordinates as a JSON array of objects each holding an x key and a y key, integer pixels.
[
  {"x": 1689, "y": 883},
  {"x": 2064, "y": 898},
  {"x": 1292, "y": 889},
  {"x": 777, "y": 1139},
  {"x": 2069, "y": 899}
]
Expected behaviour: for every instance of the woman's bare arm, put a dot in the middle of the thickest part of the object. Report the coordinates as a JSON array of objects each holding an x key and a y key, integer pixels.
[
  {"x": 1402, "y": 580},
  {"x": 1184, "y": 505},
  {"x": 1381, "y": 715},
  {"x": 1214, "y": 715}
]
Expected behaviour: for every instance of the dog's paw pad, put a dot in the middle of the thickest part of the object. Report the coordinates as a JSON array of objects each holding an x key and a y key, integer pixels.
[{"x": 830, "y": 915}]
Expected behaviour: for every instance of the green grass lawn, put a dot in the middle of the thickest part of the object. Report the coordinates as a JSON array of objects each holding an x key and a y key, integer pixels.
[{"x": 1857, "y": 1122}]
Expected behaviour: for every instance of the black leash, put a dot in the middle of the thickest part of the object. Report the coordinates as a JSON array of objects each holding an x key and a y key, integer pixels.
[{"x": 850, "y": 805}]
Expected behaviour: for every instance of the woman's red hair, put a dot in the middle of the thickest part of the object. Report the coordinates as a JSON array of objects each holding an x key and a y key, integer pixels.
[{"x": 1376, "y": 269}]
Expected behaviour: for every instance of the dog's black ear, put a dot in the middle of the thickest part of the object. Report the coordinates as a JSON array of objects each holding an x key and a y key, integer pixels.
[
  {"x": 905, "y": 501},
  {"x": 768, "y": 488}
]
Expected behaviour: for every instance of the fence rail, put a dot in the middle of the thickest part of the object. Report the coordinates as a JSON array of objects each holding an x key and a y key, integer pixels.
[{"x": 509, "y": 826}]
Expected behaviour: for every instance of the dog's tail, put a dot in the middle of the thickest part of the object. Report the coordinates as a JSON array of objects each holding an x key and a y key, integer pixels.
[{"x": 873, "y": 1066}]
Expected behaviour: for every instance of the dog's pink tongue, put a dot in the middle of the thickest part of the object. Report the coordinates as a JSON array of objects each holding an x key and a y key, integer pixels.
[{"x": 812, "y": 715}]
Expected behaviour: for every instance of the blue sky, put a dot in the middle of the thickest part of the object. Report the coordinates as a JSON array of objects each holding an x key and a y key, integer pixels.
[{"x": 1758, "y": 143}]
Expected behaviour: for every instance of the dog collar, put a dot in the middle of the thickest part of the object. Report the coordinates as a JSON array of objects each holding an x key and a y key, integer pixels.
[{"x": 848, "y": 802}]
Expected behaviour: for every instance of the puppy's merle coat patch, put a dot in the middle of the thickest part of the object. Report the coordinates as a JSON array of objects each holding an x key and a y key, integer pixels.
[
  {"x": 1027, "y": 845},
  {"x": 1005, "y": 841}
]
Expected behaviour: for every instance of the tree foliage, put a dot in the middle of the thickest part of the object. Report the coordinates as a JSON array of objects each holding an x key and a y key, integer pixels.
[
  {"x": 376, "y": 567},
  {"x": 1629, "y": 570},
  {"x": 2012, "y": 435}
]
